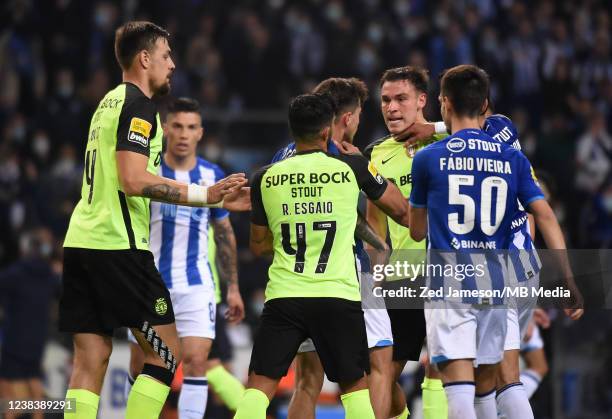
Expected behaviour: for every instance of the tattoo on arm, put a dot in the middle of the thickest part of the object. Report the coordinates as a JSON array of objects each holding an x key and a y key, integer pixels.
[
  {"x": 162, "y": 192},
  {"x": 367, "y": 234},
  {"x": 226, "y": 251}
]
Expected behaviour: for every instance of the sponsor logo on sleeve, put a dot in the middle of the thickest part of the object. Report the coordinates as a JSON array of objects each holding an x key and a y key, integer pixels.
[
  {"x": 140, "y": 131},
  {"x": 374, "y": 173}
]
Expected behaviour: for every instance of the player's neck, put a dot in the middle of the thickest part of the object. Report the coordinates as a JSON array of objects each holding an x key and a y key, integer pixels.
[
  {"x": 420, "y": 118},
  {"x": 337, "y": 134},
  {"x": 461, "y": 123},
  {"x": 186, "y": 163},
  {"x": 140, "y": 81},
  {"x": 310, "y": 146}
]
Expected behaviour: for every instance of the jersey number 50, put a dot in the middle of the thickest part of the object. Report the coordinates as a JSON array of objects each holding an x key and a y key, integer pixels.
[
  {"x": 488, "y": 224},
  {"x": 300, "y": 252}
]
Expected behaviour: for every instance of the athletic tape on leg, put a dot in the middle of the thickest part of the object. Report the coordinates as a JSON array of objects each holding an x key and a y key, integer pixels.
[{"x": 159, "y": 346}]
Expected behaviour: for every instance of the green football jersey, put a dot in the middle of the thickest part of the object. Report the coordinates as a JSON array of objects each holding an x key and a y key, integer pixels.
[
  {"x": 105, "y": 218},
  {"x": 309, "y": 203},
  {"x": 394, "y": 162}
]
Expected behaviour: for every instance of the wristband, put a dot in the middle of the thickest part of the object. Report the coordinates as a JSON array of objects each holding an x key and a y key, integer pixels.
[
  {"x": 197, "y": 194},
  {"x": 440, "y": 128}
]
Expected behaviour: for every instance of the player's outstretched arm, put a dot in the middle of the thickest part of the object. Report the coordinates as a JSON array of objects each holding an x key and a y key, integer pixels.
[
  {"x": 393, "y": 203},
  {"x": 548, "y": 226},
  {"x": 227, "y": 265},
  {"x": 135, "y": 180}
]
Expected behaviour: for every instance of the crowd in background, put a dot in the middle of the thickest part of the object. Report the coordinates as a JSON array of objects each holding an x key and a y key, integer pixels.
[{"x": 550, "y": 63}]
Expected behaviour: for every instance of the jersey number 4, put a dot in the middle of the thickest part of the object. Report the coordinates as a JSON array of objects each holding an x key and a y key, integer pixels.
[
  {"x": 90, "y": 167},
  {"x": 488, "y": 224},
  {"x": 300, "y": 252}
]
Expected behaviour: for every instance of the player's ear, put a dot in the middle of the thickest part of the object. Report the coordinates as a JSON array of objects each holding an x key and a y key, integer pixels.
[
  {"x": 144, "y": 58},
  {"x": 346, "y": 118},
  {"x": 200, "y": 133},
  {"x": 421, "y": 101},
  {"x": 485, "y": 107},
  {"x": 326, "y": 133}
]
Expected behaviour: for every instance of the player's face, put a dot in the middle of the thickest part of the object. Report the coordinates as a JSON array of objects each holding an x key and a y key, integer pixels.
[
  {"x": 400, "y": 103},
  {"x": 352, "y": 124},
  {"x": 161, "y": 67},
  {"x": 183, "y": 131}
]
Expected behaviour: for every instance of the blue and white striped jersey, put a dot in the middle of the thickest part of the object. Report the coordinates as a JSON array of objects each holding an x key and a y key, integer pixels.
[
  {"x": 471, "y": 186},
  {"x": 526, "y": 263},
  {"x": 179, "y": 234}
]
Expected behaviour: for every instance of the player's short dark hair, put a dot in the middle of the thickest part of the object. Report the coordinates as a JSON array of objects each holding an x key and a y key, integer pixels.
[
  {"x": 347, "y": 94},
  {"x": 418, "y": 77},
  {"x": 184, "y": 104},
  {"x": 467, "y": 88},
  {"x": 134, "y": 37},
  {"x": 309, "y": 114}
]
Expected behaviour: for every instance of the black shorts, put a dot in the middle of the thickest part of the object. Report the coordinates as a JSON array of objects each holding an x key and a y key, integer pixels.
[
  {"x": 222, "y": 346},
  {"x": 335, "y": 325},
  {"x": 407, "y": 324},
  {"x": 106, "y": 289}
]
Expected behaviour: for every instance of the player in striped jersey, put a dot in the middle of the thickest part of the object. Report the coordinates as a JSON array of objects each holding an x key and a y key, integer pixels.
[
  {"x": 179, "y": 242},
  {"x": 435, "y": 199},
  {"x": 525, "y": 265}
]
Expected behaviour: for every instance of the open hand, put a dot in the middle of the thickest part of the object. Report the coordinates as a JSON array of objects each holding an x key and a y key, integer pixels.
[
  {"x": 225, "y": 186},
  {"x": 238, "y": 200},
  {"x": 416, "y": 133},
  {"x": 346, "y": 148}
]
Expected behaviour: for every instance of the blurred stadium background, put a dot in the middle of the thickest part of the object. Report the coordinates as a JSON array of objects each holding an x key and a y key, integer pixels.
[{"x": 551, "y": 69}]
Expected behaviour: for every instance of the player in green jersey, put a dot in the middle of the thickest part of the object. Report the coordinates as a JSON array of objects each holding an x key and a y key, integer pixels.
[
  {"x": 403, "y": 98},
  {"x": 304, "y": 212},
  {"x": 110, "y": 279},
  {"x": 348, "y": 96}
]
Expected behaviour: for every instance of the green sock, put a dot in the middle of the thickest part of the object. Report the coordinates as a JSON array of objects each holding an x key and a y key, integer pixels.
[
  {"x": 405, "y": 414},
  {"x": 357, "y": 405},
  {"x": 434, "y": 399},
  {"x": 253, "y": 405},
  {"x": 146, "y": 398},
  {"x": 85, "y": 404},
  {"x": 228, "y": 388}
]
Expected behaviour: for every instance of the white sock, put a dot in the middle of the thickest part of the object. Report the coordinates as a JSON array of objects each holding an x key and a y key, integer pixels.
[
  {"x": 531, "y": 381},
  {"x": 460, "y": 396},
  {"x": 485, "y": 406},
  {"x": 193, "y": 398},
  {"x": 512, "y": 402},
  {"x": 129, "y": 382}
]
